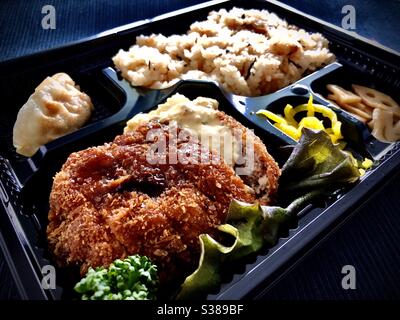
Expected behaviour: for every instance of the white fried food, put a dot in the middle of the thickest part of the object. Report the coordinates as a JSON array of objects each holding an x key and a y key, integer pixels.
[{"x": 57, "y": 107}]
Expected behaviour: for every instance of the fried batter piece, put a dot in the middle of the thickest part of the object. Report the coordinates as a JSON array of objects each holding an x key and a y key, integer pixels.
[{"x": 109, "y": 202}]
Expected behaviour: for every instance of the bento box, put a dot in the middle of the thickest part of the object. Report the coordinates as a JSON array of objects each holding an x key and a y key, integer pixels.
[{"x": 26, "y": 182}]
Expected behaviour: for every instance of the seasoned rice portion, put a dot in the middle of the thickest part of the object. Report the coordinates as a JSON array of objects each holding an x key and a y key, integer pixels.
[{"x": 249, "y": 52}]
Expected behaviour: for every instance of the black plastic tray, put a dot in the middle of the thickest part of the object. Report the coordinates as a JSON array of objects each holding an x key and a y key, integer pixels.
[{"x": 25, "y": 182}]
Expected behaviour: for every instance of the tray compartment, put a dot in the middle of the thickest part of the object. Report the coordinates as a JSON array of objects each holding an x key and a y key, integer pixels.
[
  {"x": 34, "y": 196},
  {"x": 107, "y": 101},
  {"x": 35, "y": 193},
  {"x": 345, "y": 77}
]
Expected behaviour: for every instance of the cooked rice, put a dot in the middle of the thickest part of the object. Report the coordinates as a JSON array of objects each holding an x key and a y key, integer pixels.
[{"x": 249, "y": 52}]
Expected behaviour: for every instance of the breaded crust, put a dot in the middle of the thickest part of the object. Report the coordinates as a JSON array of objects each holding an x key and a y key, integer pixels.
[
  {"x": 109, "y": 202},
  {"x": 265, "y": 173}
]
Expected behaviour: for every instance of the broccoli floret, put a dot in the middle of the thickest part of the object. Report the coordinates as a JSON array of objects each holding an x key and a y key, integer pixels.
[{"x": 134, "y": 278}]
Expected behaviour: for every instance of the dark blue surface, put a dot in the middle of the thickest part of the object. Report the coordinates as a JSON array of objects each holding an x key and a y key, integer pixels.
[
  {"x": 21, "y": 32},
  {"x": 368, "y": 240},
  {"x": 377, "y": 20}
]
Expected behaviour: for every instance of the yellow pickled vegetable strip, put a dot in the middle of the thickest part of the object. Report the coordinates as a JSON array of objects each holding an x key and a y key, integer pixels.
[
  {"x": 325, "y": 111},
  {"x": 289, "y": 114},
  {"x": 300, "y": 108},
  {"x": 311, "y": 123},
  {"x": 289, "y": 130},
  {"x": 310, "y": 107},
  {"x": 367, "y": 163},
  {"x": 336, "y": 128},
  {"x": 334, "y": 138},
  {"x": 272, "y": 116},
  {"x": 292, "y": 128}
]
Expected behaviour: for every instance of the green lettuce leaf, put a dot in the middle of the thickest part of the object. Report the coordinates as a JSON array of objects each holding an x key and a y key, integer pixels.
[
  {"x": 314, "y": 167},
  {"x": 207, "y": 276},
  {"x": 252, "y": 227},
  {"x": 316, "y": 164}
]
